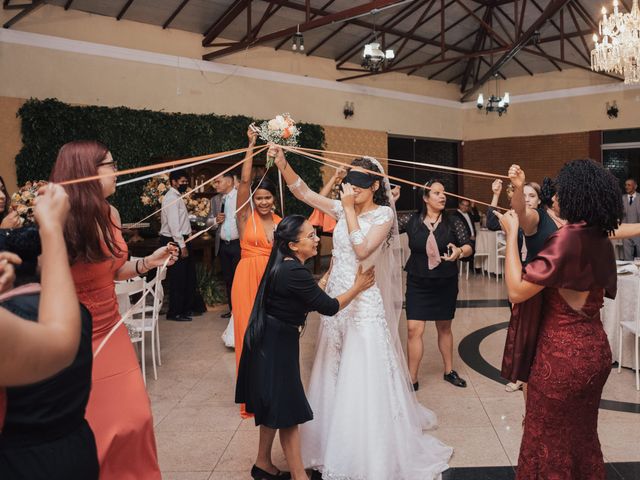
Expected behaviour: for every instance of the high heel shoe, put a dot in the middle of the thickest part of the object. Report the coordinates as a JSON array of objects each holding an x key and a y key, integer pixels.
[{"x": 258, "y": 474}]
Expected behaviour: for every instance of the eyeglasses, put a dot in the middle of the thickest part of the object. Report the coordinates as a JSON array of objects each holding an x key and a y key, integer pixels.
[
  {"x": 311, "y": 236},
  {"x": 113, "y": 165}
]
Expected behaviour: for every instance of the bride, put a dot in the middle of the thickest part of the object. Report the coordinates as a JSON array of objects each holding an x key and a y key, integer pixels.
[{"x": 367, "y": 423}]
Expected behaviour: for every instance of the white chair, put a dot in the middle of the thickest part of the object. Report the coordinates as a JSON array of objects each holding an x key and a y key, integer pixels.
[
  {"x": 633, "y": 326},
  {"x": 461, "y": 266},
  {"x": 501, "y": 250},
  {"x": 144, "y": 319},
  {"x": 484, "y": 257}
]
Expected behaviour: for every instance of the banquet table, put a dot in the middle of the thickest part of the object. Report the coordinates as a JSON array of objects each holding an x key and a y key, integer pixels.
[
  {"x": 486, "y": 243},
  {"x": 624, "y": 307}
]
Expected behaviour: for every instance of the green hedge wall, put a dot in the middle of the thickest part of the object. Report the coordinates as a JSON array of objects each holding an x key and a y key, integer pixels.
[{"x": 143, "y": 137}]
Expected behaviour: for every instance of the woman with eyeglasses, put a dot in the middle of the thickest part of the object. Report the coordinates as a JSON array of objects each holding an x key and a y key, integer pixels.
[
  {"x": 269, "y": 377},
  {"x": 118, "y": 411},
  {"x": 437, "y": 241}
]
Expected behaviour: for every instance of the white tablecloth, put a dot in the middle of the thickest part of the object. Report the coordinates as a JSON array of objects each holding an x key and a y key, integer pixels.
[
  {"x": 486, "y": 243},
  {"x": 622, "y": 308}
]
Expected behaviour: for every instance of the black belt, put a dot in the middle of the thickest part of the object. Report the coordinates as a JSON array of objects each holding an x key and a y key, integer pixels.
[{"x": 229, "y": 242}]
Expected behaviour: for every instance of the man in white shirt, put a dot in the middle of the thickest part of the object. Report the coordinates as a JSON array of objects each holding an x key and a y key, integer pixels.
[
  {"x": 227, "y": 232},
  {"x": 175, "y": 227},
  {"x": 631, "y": 214}
]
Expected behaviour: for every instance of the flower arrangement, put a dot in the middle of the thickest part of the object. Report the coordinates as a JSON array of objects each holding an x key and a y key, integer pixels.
[
  {"x": 154, "y": 190},
  {"x": 197, "y": 206},
  {"x": 24, "y": 199},
  {"x": 281, "y": 130}
]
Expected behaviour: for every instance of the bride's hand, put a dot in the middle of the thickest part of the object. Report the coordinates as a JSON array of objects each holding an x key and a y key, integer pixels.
[
  {"x": 276, "y": 152},
  {"x": 364, "y": 279},
  {"x": 348, "y": 196}
]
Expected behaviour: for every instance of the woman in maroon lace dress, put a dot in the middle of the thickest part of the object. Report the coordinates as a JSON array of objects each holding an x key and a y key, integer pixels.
[{"x": 571, "y": 357}]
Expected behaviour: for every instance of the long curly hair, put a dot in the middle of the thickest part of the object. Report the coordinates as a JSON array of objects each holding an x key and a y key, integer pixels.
[
  {"x": 547, "y": 191},
  {"x": 587, "y": 192},
  {"x": 380, "y": 196}
]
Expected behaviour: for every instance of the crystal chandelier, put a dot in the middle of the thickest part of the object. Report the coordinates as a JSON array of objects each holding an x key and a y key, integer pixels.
[
  {"x": 619, "y": 50},
  {"x": 495, "y": 103}
]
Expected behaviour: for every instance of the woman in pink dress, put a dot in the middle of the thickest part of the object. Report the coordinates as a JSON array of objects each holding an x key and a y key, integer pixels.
[{"x": 119, "y": 410}]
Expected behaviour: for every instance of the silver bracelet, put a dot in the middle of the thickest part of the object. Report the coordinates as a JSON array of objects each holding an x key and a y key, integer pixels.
[
  {"x": 295, "y": 184},
  {"x": 356, "y": 237}
]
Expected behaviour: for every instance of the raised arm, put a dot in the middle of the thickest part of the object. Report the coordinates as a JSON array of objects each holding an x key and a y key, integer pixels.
[
  {"x": 298, "y": 188},
  {"x": 338, "y": 174},
  {"x": 518, "y": 289},
  {"x": 527, "y": 217},
  {"x": 32, "y": 351},
  {"x": 244, "y": 188},
  {"x": 626, "y": 230},
  {"x": 364, "y": 245}
]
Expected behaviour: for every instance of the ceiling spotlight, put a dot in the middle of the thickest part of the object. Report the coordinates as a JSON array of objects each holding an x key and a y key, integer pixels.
[{"x": 298, "y": 41}]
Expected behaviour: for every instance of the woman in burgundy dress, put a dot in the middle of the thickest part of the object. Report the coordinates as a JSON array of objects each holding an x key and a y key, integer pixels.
[{"x": 570, "y": 352}]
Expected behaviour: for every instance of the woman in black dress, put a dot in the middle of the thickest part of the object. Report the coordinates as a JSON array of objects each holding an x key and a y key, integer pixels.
[
  {"x": 437, "y": 241},
  {"x": 45, "y": 435},
  {"x": 269, "y": 375}
]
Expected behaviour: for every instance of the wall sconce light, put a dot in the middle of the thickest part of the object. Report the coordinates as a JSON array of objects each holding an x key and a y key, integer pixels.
[
  {"x": 612, "y": 110},
  {"x": 348, "y": 110}
]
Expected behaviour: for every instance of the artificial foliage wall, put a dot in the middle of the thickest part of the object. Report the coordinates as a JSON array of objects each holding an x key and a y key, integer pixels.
[{"x": 143, "y": 137}]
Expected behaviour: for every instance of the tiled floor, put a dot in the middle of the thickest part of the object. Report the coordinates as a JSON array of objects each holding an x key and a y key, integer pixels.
[{"x": 201, "y": 436}]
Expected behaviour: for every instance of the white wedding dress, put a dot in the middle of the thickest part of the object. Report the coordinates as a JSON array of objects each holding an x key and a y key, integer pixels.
[{"x": 368, "y": 424}]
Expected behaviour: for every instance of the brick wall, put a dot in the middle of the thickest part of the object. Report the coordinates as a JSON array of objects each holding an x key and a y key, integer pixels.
[{"x": 539, "y": 156}]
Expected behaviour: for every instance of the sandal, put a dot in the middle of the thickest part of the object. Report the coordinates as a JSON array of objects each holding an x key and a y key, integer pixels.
[{"x": 514, "y": 387}]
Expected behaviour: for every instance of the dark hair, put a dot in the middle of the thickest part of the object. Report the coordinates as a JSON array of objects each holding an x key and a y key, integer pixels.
[
  {"x": 177, "y": 175},
  {"x": 24, "y": 242},
  {"x": 7, "y": 202},
  {"x": 380, "y": 196},
  {"x": 587, "y": 192},
  {"x": 265, "y": 184},
  {"x": 89, "y": 224},
  {"x": 287, "y": 231},
  {"x": 547, "y": 191},
  {"x": 230, "y": 174}
]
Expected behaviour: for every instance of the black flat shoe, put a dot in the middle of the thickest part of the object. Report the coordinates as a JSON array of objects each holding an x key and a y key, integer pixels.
[
  {"x": 226, "y": 315},
  {"x": 453, "y": 378},
  {"x": 259, "y": 474},
  {"x": 179, "y": 318},
  {"x": 416, "y": 386}
]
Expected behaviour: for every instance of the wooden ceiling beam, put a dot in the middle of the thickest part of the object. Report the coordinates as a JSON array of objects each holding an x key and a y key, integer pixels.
[
  {"x": 230, "y": 14},
  {"x": 304, "y": 27},
  {"x": 26, "y": 10},
  {"x": 313, "y": 15},
  {"x": 174, "y": 14},
  {"x": 552, "y": 8},
  {"x": 124, "y": 10}
]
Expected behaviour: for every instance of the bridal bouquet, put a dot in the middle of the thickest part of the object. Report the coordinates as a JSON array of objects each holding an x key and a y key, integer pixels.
[
  {"x": 281, "y": 130},
  {"x": 24, "y": 199},
  {"x": 154, "y": 190}
]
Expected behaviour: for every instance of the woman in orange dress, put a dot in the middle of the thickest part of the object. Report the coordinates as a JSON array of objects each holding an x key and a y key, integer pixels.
[
  {"x": 256, "y": 224},
  {"x": 119, "y": 410}
]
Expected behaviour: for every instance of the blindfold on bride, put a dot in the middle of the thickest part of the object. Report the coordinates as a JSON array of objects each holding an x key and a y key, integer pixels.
[{"x": 359, "y": 179}]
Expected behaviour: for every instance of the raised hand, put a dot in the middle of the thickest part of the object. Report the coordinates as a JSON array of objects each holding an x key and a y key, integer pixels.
[
  {"x": 509, "y": 221},
  {"x": 252, "y": 135},
  {"x": 516, "y": 175},
  {"x": 496, "y": 186},
  {"x": 7, "y": 270},
  {"x": 348, "y": 196},
  {"x": 51, "y": 206}
]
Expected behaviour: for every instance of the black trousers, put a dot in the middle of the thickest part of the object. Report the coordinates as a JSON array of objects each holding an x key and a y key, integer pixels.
[
  {"x": 182, "y": 283},
  {"x": 229, "y": 255}
]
